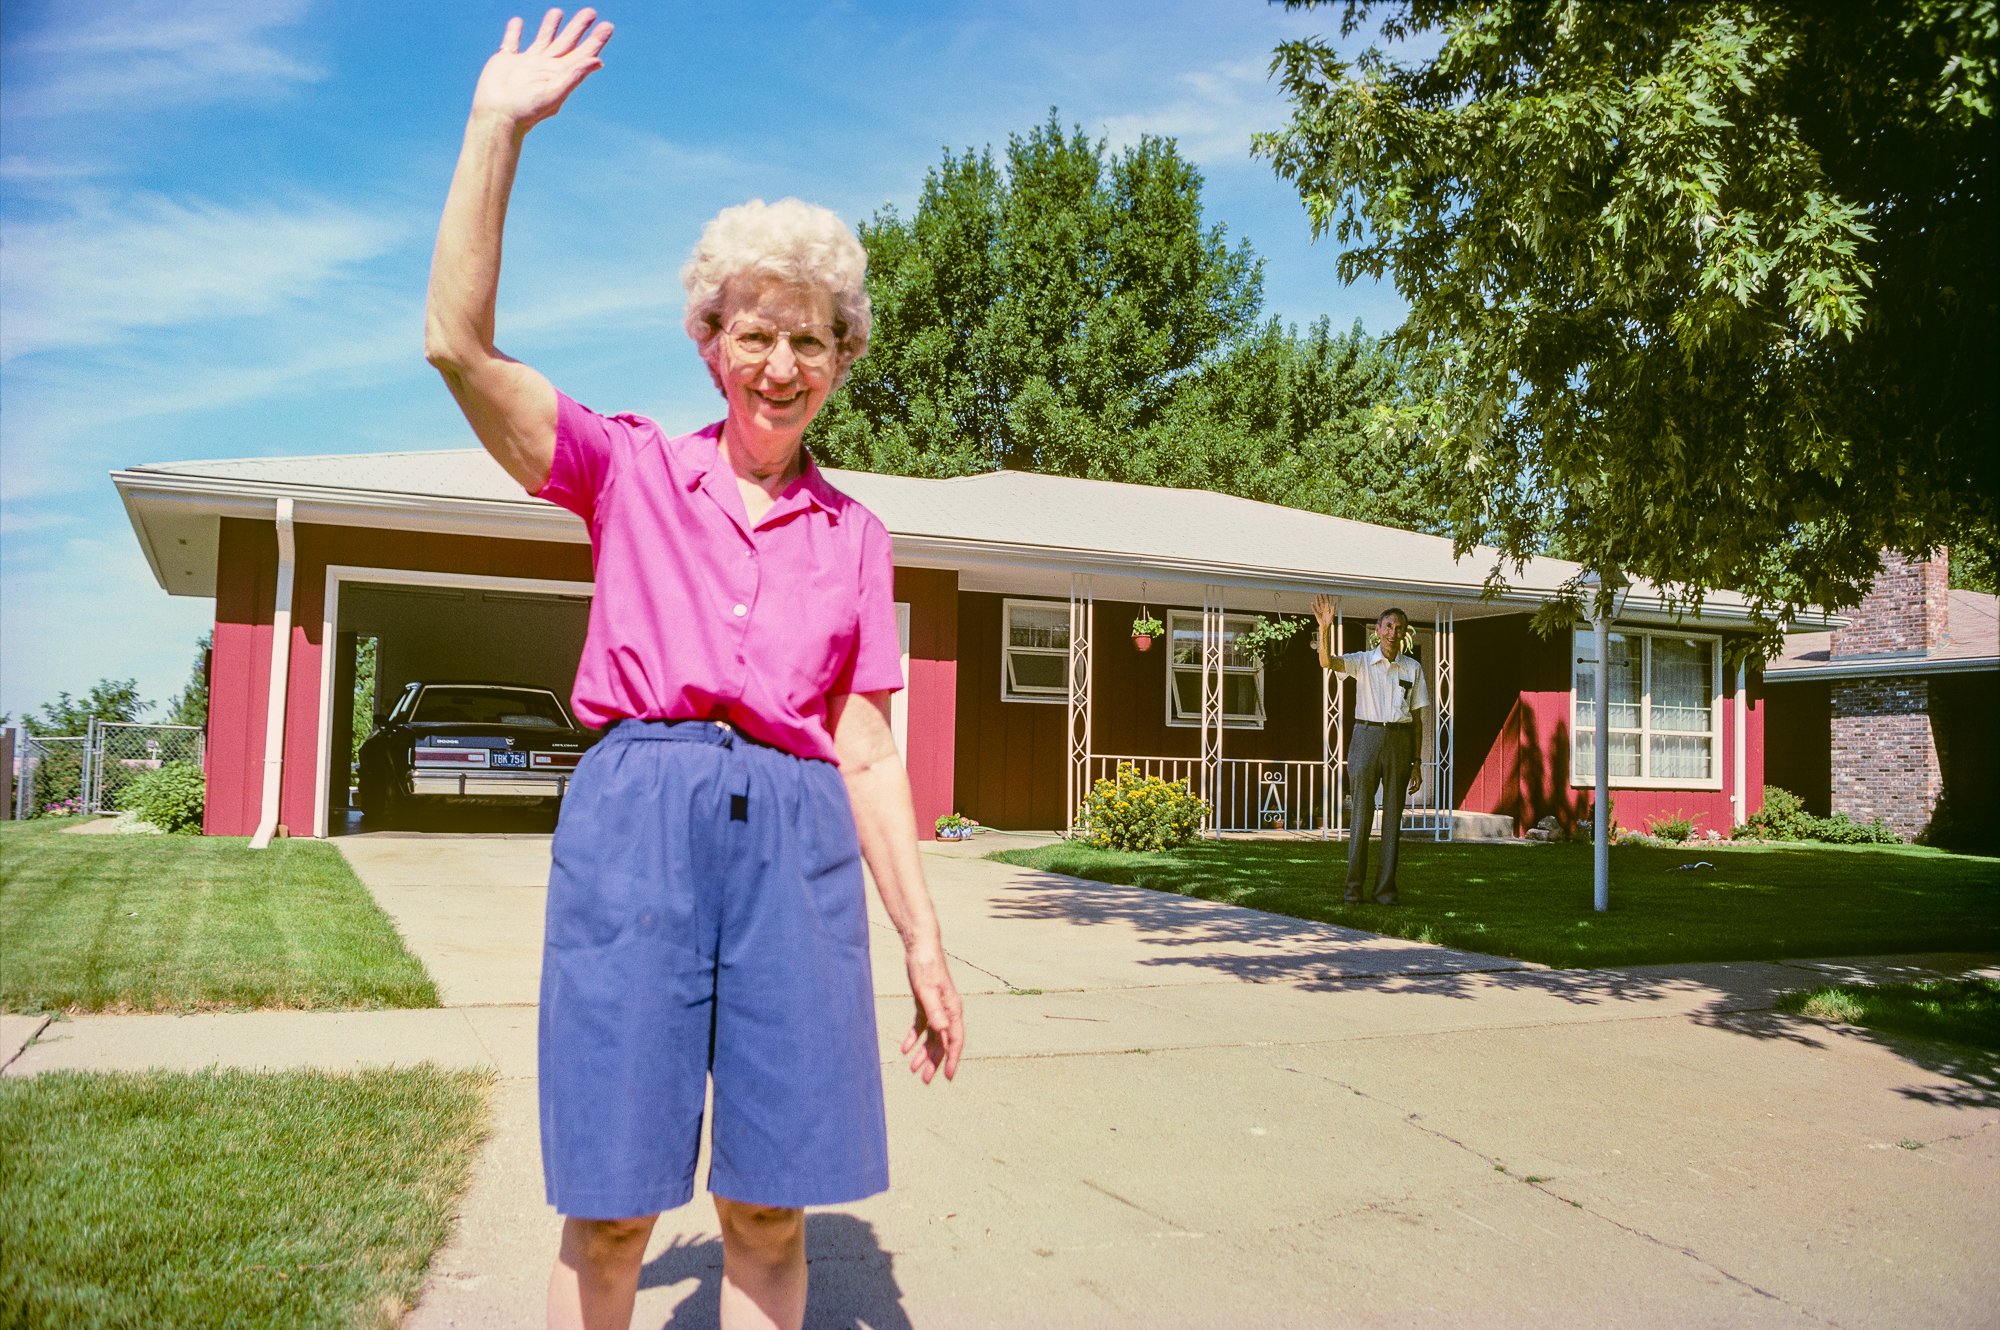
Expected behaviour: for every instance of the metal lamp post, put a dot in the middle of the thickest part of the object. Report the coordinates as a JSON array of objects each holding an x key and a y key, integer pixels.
[{"x": 1606, "y": 599}]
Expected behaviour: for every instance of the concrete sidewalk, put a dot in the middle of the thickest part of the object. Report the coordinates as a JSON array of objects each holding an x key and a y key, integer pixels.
[{"x": 1177, "y": 1113}]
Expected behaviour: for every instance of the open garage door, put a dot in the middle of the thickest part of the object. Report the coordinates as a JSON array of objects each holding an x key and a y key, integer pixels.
[{"x": 394, "y": 628}]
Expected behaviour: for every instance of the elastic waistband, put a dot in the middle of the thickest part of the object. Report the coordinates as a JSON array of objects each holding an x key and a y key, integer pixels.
[{"x": 720, "y": 733}]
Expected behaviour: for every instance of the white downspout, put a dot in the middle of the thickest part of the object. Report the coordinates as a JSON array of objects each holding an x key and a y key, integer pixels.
[
  {"x": 281, "y": 660},
  {"x": 1739, "y": 808}
]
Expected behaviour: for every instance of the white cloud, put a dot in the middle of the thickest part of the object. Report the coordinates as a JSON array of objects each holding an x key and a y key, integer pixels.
[
  {"x": 1212, "y": 115},
  {"x": 153, "y": 55},
  {"x": 115, "y": 267}
]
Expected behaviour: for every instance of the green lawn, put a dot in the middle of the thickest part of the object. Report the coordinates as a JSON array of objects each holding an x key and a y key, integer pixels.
[
  {"x": 191, "y": 923},
  {"x": 1958, "y": 1011},
  {"x": 228, "y": 1198},
  {"x": 1533, "y": 901}
]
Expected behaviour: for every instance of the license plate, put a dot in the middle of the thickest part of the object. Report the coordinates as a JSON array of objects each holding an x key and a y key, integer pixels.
[{"x": 510, "y": 759}]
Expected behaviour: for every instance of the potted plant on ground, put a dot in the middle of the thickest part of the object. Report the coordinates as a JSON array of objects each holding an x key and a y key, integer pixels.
[
  {"x": 1144, "y": 629},
  {"x": 954, "y": 826}
]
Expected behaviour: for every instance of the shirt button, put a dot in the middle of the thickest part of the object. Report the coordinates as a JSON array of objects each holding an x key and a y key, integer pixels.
[{"x": 740, "y": 611}]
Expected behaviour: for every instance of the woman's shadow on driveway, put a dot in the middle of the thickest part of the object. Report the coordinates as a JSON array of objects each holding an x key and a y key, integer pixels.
[{"x": 853, "y": 1279}]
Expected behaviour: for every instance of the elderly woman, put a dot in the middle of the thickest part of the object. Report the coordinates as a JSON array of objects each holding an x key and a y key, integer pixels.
[{"x": 705, "y": 918}]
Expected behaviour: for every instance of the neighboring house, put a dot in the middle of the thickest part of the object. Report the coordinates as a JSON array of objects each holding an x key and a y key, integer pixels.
[
  {"x": 1893, "y": 716},
  {"x": 1016, "y": 593}
]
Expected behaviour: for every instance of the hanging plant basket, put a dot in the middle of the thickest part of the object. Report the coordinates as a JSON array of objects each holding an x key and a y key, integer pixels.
[{"x": 1144, "y": 629}]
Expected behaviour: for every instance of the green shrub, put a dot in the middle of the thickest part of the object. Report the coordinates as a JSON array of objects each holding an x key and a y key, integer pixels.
[
  {"x": 1842, "y": 830},
  {"x": 1673, "y": 827},
  {"x": 1135, "y": 812},
  {"x": 170, "y": 798},
  {"x": 1784, "y": 817}
]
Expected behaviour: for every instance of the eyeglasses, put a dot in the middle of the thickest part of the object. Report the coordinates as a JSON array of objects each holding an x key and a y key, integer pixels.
[{"x": 755, "y": 342}]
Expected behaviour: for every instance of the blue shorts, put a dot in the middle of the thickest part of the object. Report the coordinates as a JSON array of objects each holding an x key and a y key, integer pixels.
[{"x": 706, "y": 920}]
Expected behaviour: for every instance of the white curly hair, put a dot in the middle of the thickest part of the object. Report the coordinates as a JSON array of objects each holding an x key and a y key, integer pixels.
[{"x": 794, "y": 241}]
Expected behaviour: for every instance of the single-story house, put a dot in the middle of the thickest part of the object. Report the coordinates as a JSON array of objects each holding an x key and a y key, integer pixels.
[
  {"x": 1895, "y": 715},
  {"x": 1017, "y": 593}
]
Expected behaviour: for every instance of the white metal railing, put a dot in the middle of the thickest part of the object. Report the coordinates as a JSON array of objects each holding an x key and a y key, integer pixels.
[{"x": 1246, "y": 793}]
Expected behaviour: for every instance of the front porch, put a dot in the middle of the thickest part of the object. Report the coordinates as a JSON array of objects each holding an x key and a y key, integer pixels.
[{"x": 1262, "y": 740}]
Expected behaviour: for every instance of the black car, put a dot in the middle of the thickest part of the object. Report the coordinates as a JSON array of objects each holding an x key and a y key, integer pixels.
[{"x": 469, "y": 743}]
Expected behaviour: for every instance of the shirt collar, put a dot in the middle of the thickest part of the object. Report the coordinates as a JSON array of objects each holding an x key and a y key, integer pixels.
[{"x": 700, "y": 452}]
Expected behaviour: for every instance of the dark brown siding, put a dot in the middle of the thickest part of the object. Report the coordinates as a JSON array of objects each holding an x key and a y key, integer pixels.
[
  {"x": 1008, "y": 766},
  {"x": 1798, "y": 742}
]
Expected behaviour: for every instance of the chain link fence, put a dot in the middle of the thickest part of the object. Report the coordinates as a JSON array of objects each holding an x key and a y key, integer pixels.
[
  {"x": 123, "y": 752},
  {"x": 86, "y": 773}
]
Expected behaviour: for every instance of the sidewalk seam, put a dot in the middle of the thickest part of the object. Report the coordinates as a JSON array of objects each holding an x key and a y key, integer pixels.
[{"x": 26, "y": 1044}]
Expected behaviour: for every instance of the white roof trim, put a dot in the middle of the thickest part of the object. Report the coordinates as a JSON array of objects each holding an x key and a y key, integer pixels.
[
  {"x": 1882, "y": 667},
  {"x": 1000, "y": 523}
]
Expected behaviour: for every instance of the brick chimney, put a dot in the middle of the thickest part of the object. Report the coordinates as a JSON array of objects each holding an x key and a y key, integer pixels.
[
  {"x": 1885, "y": 755},
  {"x": 1906, "y": 611}
]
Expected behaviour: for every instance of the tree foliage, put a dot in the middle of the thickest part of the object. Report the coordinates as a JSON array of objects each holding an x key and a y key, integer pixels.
[
  {"x": 1064, "y": 309},
  {"x": 190, "y": 705},
  {"x": 1710, "y": 284},
  {"x": 108, "y": 699}
]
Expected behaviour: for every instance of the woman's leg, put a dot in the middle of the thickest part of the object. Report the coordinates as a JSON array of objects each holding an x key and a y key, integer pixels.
[
  {"x": 763, "y": 1266},
  {"x": 596, "y": 1279}
]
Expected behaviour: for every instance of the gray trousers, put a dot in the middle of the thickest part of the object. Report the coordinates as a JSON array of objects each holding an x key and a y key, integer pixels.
[{"x": 1379, "y": 756}]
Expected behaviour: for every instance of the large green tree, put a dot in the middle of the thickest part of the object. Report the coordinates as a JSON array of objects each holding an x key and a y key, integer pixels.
[
  {"x": 1065, "y": 309},
  {"x": 108, "y": 699},
  {"x": 1711, "y": 284}
]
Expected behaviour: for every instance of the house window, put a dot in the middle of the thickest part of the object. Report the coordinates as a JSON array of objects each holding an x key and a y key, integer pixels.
[
  {"x": 1665, "y": 725},
  {"x": 1242, "y": 677},
  {"x": 1034, "y": 651}
]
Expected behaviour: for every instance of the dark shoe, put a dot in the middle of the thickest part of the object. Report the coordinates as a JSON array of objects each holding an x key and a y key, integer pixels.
[{"x": 1351, "y": 898}]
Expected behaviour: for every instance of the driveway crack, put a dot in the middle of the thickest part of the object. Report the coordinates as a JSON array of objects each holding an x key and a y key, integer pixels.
[{"x": 1415, "y": 1120}]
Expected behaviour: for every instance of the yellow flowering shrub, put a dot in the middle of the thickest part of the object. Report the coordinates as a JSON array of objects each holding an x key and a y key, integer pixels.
[{"x": 1131, "y": 811}]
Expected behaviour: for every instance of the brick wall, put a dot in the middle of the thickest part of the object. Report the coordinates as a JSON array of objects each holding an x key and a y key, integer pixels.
[
  {"x": 1885, "y": 757},
  {"x": 1905, "y": 610}
]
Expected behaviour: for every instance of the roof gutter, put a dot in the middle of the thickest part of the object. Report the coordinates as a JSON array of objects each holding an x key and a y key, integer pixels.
[
  {"x": 281, "y": 660},
  {"x": 1883, "y": 668}
]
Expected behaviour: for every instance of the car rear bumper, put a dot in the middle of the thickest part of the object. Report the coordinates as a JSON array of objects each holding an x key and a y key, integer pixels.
[{"x": 489, "y": 784}]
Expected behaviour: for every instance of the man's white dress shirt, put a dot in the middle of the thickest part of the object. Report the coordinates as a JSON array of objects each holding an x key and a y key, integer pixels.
[{"x": 1387, "y": 692}]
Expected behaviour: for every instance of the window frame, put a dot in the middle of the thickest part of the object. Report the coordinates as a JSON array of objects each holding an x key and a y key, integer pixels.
[
  {"x": 1582, "y": 636},
  {"x": 1239, "y": 720},
  {"x": 1058, "y": 698}
]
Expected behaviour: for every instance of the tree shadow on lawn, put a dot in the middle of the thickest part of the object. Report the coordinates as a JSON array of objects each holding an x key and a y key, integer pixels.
[
  {"x": 1264, "y": 948},
  {"x": 852, "y": 1280},
  {"x": 1259, "y": 947}
]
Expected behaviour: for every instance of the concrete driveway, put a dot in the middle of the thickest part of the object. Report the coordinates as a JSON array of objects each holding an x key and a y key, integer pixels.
[{"x": 1177, "y": 1113}]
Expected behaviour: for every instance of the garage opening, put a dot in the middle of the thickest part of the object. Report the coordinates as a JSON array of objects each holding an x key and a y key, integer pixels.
[{"x": 394, "y": 629}]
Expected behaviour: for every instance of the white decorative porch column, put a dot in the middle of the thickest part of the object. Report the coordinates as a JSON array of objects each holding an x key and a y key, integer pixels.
[
  {"x": 1081, "y": 605},
  {"x": 1211, "y": 705},
  {"x": 1442, "y": 730},
  {"x": 1332, "y": 743}
]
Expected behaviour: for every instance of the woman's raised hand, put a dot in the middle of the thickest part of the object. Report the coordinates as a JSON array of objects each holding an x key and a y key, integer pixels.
[{"x": 527, "y": 87}]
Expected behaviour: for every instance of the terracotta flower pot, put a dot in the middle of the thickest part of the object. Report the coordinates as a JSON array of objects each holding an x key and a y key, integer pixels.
[{"x": 1141, "y": 641}]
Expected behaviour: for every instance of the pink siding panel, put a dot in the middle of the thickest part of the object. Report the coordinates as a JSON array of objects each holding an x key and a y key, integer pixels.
[
  {"x": 932, "y": 595},
  {"x": 240, "y": 668}
]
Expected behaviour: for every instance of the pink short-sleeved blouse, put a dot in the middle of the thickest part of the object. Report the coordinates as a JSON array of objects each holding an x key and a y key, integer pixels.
[{"x": 698, "y": 614}]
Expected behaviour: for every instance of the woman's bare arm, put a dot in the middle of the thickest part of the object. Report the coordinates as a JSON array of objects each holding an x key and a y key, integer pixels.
[
  {"x": 879, "y": 789},
  {"x": 509, "y": 406}
]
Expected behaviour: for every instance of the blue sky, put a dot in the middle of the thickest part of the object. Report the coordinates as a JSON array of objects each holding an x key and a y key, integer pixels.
[{"x": 216, "y": 219}]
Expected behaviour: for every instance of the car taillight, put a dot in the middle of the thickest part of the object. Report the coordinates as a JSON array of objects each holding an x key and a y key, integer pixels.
[
  {"x": 449, "y": 757},
  {"x": 554, "y": 759}
]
